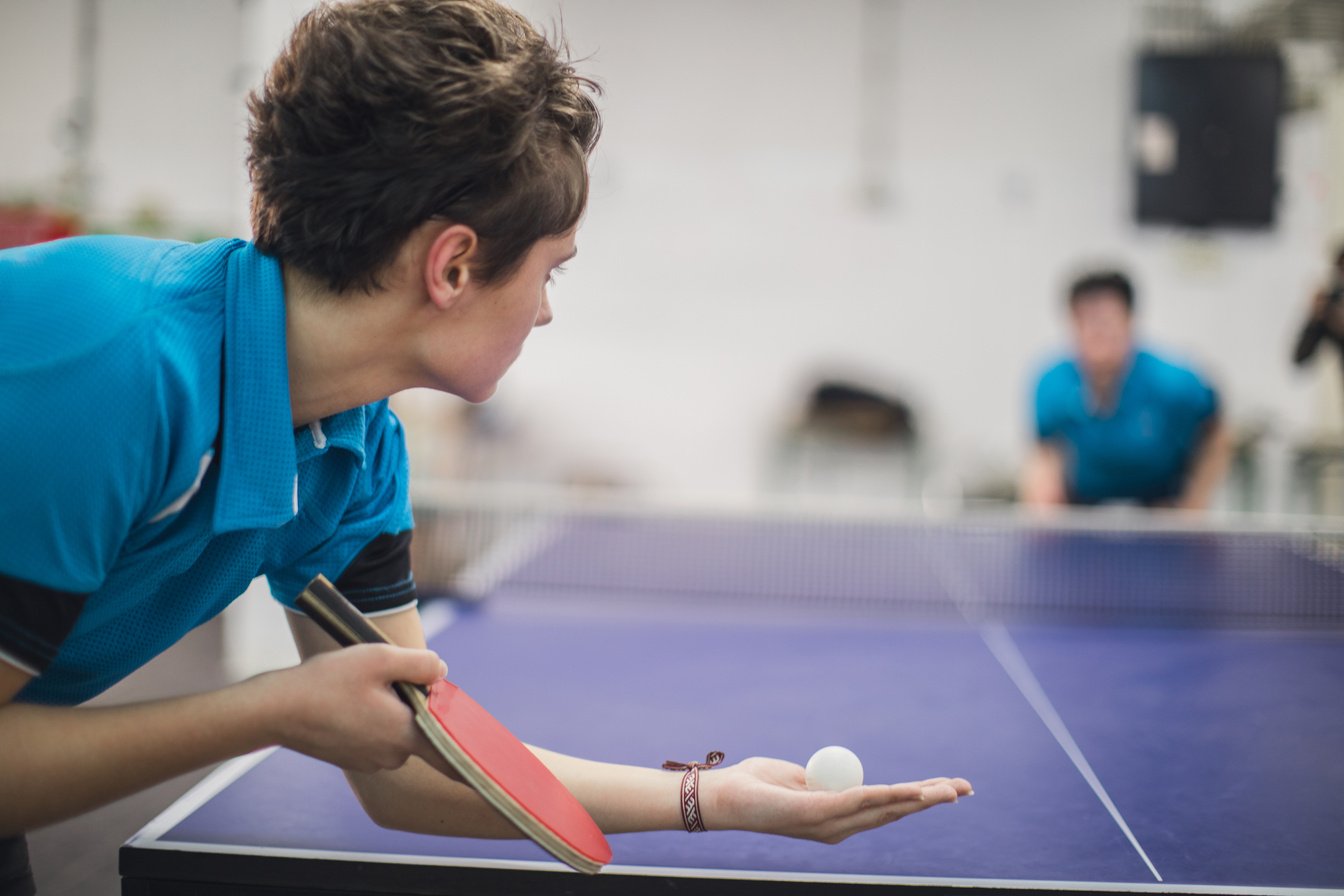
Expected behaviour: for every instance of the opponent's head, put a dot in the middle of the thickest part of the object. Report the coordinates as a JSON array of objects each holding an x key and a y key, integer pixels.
[
  {"x": 1101, "y": 306},
  {"x": 382, "y": 115}
]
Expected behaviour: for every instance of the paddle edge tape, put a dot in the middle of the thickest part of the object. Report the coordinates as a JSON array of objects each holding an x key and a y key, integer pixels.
[{"x": 497, "y": 797}]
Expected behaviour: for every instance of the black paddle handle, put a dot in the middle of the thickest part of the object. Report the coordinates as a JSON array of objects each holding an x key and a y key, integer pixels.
[
  {"x": 336, "y": 616},
  {"x": 331, "y": 610}
]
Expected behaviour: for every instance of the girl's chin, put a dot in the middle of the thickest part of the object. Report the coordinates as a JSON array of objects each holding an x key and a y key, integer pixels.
[{"x": 478, "y": 395}]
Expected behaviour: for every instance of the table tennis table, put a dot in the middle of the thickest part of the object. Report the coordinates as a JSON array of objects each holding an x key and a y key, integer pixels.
[{"x": 1139, "y": 711}]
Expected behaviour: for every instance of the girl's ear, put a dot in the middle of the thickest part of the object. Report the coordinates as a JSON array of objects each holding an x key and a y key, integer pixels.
[{"x": 448, "y": 264}]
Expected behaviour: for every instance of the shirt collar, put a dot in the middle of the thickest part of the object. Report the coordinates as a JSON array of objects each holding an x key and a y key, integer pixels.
[
  {"x": 1094, "y": 402},
  {"x": 257, "y": 464},
  {"x": 344, "y": 430}
]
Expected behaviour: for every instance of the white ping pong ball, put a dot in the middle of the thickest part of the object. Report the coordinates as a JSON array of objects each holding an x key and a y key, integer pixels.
[{"x": 834, "y": 768}]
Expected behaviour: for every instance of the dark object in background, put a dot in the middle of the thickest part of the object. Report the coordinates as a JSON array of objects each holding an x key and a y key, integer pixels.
[
  {"x": 1335, "y": 295},
  {"x": 1206, "y": 138},
  {"x": 844, "y": 408}
]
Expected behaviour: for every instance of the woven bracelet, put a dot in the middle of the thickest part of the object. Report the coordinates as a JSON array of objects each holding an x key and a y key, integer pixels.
[{"x": 690, "y": 789}]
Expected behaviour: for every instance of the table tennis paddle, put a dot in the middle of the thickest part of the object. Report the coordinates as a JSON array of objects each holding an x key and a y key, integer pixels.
[{"x": 489, "y": 758}]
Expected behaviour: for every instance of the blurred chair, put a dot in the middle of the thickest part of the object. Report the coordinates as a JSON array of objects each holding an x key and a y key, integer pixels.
[
  {"x": 1317, "y": 477},
  {"x": 849, "y": 439}
]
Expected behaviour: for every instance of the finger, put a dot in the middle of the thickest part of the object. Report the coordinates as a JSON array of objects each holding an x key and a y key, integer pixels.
[
  {"x": 857, "y": 800},
  {"x": 931, "y": 782},
  {"x": 902, "y": 800},
  {"x": 898, "y": 792},
  {"x": 875, "y": 818},
  {"x": 872, "y": 794},
  {"x": 960, "y": 785},
  {"x": 883, "y": 813},
  {"x": 869, "y": 816},
  {"x": 415, "y": 666},
  {"x": 939, "y": 793}
]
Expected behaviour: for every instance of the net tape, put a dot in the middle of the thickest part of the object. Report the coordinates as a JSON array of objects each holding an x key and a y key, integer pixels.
[{"x": 972, "y": 567}]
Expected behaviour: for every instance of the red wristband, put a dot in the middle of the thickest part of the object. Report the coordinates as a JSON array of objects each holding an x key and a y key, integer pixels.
[{"x": 690, "y": 789}]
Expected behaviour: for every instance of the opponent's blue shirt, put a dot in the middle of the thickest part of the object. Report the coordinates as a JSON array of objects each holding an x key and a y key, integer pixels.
[
  {"x": 150, "y": 465},
  {"x": 1140, "y": 449}
]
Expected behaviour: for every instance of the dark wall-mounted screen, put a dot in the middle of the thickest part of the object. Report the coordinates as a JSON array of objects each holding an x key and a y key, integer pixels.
[{"x": 1206, "y": 138}]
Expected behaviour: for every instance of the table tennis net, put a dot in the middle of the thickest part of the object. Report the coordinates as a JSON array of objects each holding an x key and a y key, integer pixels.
[{"x": 965, "y": 568}]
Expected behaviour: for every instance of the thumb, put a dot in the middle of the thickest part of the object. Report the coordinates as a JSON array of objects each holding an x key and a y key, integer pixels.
[{"x": 415, "y": 666}]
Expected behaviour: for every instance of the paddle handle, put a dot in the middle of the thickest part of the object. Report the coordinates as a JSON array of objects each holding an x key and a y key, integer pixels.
[{"x": 336, "y": 616}]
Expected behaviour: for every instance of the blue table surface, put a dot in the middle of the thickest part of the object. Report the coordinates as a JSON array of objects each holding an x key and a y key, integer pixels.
[{"x": 1220, "y": 746}]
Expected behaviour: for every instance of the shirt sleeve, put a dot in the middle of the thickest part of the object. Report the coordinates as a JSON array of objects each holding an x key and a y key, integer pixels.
[
  {"x": 1046, "y": 406},
  {"x": 34, "y": 620},
  {"x": 379, "y": 579},
  {"x": 1201, "y": 398},
  {"x": 369, "y": 552}
]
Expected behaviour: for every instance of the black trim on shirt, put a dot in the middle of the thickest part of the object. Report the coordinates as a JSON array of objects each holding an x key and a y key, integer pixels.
[
  {"x": 34, "y": 620},
  {"x": 379, "y": 578},
  {"x": 16, "y": 875}
]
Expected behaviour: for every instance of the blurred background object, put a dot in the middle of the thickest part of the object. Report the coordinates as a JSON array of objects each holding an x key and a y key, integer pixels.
[
  {"x": 22, "y": 225},
  {"x": 848, "y": 438}
]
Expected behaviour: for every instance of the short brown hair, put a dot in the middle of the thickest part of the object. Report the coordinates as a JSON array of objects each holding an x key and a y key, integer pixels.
[
  {"x": 1102, "y": 282},
  {"x": 380, "y": 115}
]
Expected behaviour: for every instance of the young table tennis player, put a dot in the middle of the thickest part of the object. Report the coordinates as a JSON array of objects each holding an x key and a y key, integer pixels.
[{"x": 179, "y": 419}]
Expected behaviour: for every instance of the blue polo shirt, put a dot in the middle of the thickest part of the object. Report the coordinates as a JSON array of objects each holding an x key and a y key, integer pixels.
[
  {"x": 150, "y": 465},
  {"x": 1141, "y": 449}
]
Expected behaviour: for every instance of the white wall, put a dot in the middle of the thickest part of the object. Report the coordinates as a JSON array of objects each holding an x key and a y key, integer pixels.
[
  {"x": 167, "y": 118},
  {"x": 727, "y": 252},
  {"x": 37, "y": 87}
]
